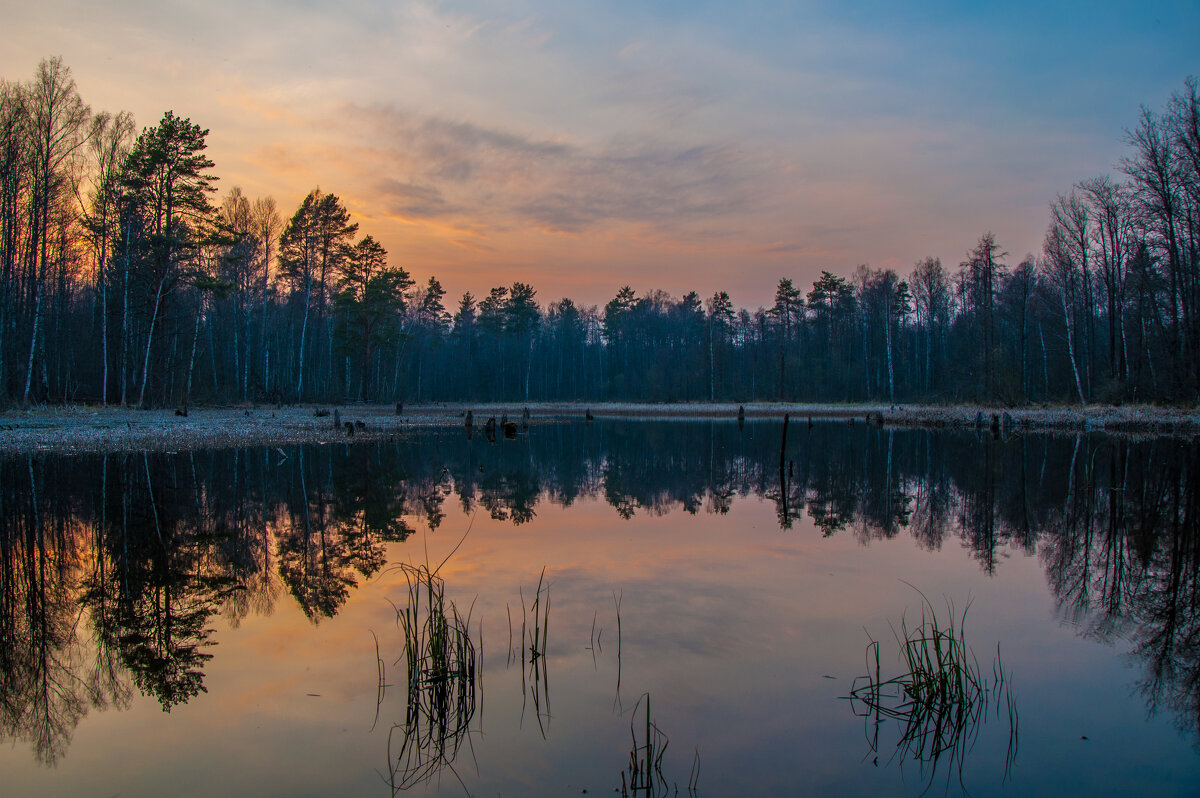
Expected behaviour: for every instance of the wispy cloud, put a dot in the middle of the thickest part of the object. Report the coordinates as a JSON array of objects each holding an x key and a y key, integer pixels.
[
  {"x": 411, "y": 200},
  {"x": 501, "y": 179}
]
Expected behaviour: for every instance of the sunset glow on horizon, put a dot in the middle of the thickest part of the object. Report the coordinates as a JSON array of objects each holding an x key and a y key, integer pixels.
[{"x": 684, "y": 146}]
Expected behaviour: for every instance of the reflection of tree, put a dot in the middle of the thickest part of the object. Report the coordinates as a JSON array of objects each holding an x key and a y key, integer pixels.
[
  {"x": 156, "y": 613},
  {"x": 150, "y": 548},
  {"x": 344, "y": 506},
  {"x": 1126, "y": 563},
  {"x": 45, "y": 684}
]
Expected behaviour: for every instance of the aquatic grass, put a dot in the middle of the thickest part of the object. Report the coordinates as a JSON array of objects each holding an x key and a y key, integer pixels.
[
  {"x": 539, "y": 613},
  {"x": 644, "y": 773},
  {"x": 617, "y": 602},
  {"x": 535, "y": 637},
  {"x": 942, "y": 697},
  {"x": 442, "y": 680}
]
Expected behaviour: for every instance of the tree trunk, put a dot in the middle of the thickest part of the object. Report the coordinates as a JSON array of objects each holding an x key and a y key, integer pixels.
[
  {"x": 528, "y": 367},
  {"x": 37, "y": 311},
  {"x": 303, "y": 337},
  {"x": 712, "y": 371},
  {"x": 125, "y": 322},
  {"x": 1045, "y": 365},
  {"x": 887, "y": 326},
  {"x": 187, "y": 392},
  {"x": 1071, "y": 346},
  {"x": 149, "y": 341}
]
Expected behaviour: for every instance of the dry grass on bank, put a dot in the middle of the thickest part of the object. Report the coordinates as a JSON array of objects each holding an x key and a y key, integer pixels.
[{"x": 73, "y": 429}]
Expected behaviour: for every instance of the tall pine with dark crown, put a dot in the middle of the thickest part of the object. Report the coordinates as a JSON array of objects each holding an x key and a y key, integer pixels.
[{"x": 167, "y": 187}]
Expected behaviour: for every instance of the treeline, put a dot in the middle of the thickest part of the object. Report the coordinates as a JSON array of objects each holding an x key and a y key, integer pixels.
[{"x": 123, "y": 280}]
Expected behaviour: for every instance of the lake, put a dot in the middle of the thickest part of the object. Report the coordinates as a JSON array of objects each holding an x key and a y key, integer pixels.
[{"x": 614, "y": 607}]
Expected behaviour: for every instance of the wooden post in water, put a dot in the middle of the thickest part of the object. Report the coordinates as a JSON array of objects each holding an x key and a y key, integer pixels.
[
  {"x": 783, "y": 443},
  {"x": 783, "y": 479}
]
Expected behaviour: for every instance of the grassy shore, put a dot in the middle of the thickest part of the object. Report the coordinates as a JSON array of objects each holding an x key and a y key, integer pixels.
[{"x": 93, "y": 429}]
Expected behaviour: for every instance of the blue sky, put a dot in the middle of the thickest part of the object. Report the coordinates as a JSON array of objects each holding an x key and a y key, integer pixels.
[{"x": 684, "y": 146}]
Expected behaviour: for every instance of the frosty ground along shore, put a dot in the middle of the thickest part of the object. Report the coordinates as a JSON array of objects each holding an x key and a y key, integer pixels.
[{"x": 93, "y": 429}]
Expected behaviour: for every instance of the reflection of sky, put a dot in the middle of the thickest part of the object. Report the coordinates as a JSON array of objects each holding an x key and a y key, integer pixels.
[
  {"x": 730, "y": 624},
  {"x": 671, "y": 145}
]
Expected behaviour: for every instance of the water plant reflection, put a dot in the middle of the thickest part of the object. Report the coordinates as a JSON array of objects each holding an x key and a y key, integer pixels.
[
  {"x": 643, "y": 775},
  {"x": 441, "y": 679},
  {"x": 535, "y": 637},
  {"x": 940, "y": 699}
]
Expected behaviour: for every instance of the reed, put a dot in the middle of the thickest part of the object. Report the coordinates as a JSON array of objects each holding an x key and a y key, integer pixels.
[
  {"x": 644, "y": 774},
  {"x": 942, "y": 697},
  {"x": 535, "y": 636},
  {"x": 442, "y": 678}
]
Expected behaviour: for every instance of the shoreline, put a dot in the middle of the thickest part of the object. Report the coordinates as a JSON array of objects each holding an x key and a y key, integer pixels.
[{"x": 80, "y": 429}]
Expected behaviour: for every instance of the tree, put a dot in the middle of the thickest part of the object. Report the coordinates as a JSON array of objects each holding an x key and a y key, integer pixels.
[
  {"x": 57, "y": 116},
  {"x": 110, "y": 140},
  {"x": 313, "y": 246},
  {"x": 1061, "y": 269},
  {"x": 931, "y": 296},
  {"x": 1112, "y": 238},
  {"x": 522, "y": 318},
  {"x": 266, "y": 224},
  {"x": 720, "y": 318},
  {"x": 1154, "y": 170},
  {"x": 1072, "y": 221},
  {"x": 983, "y": 271},
  {"x": 14, "y": 183},
  {"x": 369, "y": 302},
  {"x": 789, "y": 305},
  {"x": 167, "y": 183}
]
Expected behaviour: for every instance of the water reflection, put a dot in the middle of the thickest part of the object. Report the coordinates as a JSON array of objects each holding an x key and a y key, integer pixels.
[
  {"x": 114, "y": 568},
  {"x": 440, "y": 674}
]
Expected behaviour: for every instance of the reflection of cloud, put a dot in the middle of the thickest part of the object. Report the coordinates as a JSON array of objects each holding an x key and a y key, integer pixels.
[{"x": 503, "y": 180}]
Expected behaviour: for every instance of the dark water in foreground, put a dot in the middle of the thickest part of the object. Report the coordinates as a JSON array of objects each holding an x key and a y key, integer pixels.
[{"x": 225, "y": 623}]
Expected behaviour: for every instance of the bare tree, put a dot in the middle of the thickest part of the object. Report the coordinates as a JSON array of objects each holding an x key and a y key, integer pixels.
[{"x": 58, "y": 119}]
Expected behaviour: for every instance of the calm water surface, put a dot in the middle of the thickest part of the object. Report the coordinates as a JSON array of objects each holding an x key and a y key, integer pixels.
[{"x": 225, "y": 623}]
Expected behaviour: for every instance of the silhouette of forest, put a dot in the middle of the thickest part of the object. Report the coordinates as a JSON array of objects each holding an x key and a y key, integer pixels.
[{"x": 125, "y": 278}]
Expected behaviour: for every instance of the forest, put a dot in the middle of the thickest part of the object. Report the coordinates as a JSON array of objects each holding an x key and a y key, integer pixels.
[{"x": 126, "y": 278}]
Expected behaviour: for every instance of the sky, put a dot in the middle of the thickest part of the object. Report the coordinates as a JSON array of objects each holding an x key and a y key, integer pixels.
[{"x": 679, "y": 146}]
